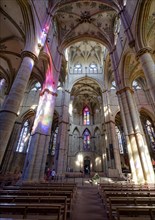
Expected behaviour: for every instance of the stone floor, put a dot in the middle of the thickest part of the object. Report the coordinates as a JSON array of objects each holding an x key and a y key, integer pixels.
[{"x": 88, "y": 205}]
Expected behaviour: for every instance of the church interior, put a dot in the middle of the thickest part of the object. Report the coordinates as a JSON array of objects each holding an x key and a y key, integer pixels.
[{"x": 77, "y": 96}]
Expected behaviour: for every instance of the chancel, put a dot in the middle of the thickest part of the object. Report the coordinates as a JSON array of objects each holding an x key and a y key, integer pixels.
[{"x": 77, "y": 95}]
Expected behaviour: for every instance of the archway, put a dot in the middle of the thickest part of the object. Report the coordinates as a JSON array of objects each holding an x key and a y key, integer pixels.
[{"x": 87, "y": 165}]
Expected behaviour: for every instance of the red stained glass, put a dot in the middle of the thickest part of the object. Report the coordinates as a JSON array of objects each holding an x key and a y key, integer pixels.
[{"x": 86, "y": 116}]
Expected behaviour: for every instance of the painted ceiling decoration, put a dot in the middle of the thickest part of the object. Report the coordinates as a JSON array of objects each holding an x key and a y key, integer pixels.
[
  {"x": 85, "y": 19},
  {"x": 85, "y": 50},
  {"x": 90, "y": 22}
]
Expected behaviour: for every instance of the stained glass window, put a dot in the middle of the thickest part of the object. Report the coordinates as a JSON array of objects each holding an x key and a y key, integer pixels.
[
  {"x": 28, "y": 146},
  {"x": 78, "y": 68},
  {"x": 86, "y": 140},
  {"x": 120, "y": 141},
  {"x": 3, "y": 87},
  {"x": 86, "y": 116},
  {"x": 54, "y": 141},
  {"x": 151, "y": 133},
  {"x": 113, "y": 85},
  {"x": 24, "y": 136},
  {"x": 36, "y": 87},
  {"x": 92, "y": 68},
  {"x": 135, "y": 85}
]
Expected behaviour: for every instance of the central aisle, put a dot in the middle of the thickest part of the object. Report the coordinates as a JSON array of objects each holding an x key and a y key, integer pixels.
[{"x": 88, "y": 205}]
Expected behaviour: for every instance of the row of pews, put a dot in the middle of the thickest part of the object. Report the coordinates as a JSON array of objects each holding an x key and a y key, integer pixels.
[
  {"x": 52, "y": 201},
  {"x": 128, "y": 201},
  {"x": 8, "y": 179}
]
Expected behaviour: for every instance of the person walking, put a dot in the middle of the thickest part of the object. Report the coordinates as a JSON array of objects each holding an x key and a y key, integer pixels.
[{"x": 53, "y": 173}]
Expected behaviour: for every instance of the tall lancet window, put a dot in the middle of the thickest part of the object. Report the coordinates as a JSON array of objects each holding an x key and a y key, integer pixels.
[
  {"x": 151, "y": 134},
  {"x": 86, "y": 116},
  {"x": 24, "y": 137},
  {"x": 86, "y": 140},
  {"x": 120, "y": 139}
]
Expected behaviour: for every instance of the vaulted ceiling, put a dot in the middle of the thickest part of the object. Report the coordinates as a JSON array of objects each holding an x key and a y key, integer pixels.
[
  {"x": 85, "y": 19},
  {"x": 73, "y": 21},
  {"x": 86, "y": 50},
  {"x": 86, "y": 92},
  {"x": 13, "y": 31}
]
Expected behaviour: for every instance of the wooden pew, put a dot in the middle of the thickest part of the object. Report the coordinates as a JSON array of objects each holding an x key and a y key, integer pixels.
[
  {"x": 114, "y": 202},
  {"x": 53, "y": 211},
  {"x": 40, "y": 194},
  {"x": 69, "y": 194},
  {"x": 38, "y": 199},
  {"x": 9, "y": 189},
  {"x": 108, "y": 194},
  {"x": 49, "y": 184},
  {"x": 135, "y": 213},
  {"x": 67, "y": 188}
]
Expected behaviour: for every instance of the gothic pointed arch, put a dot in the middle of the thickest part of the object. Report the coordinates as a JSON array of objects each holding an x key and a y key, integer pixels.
[
  {"x": 24, "y": 138},
  {"x": 86, "y": 140},
  {"x": 145, "y": 25},
  {"x": 130, "y": 69},
  {"x": 76, "y": 130},
  {"x": 148, "y": 124},
  {"x": 122, "y": 144}
]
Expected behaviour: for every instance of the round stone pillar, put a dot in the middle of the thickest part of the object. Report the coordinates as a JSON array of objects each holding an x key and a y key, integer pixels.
[
  {"x": 9, "y": 111},
  {"x": 11, "y": 148},
  {"x": 148, "y": 67},
  {"x": 111, "y": 135},
  {"x": 63, "y": 135},
  {"x": 34, "y": 168},
  {"x": 133, "y": 169},
  {"x": 140, "y": 161}
]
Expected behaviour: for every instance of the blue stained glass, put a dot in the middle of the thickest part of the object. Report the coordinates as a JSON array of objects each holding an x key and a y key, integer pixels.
[{"x": 86, "y": 140}]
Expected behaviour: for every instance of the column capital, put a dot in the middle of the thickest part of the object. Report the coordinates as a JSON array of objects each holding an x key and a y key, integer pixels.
[
  {"x": 143, "y": 50},
  {"x": 110, "y": 121},
  {"x": 49, "y": 92},
  {"x": 5, "y": 110},
  {"x": 105, "y": 90},
  {"x": 63, "y": 122},
  {"x": 124, "y": 90},
  {"x": 26, "y": 53}
]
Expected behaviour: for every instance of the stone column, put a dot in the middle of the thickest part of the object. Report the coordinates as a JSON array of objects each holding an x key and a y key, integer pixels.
[
  {"x": 11, "y": 147},
  {"x": 34, "y": 168},
  {"x": 141, "y": 158},
  {"x": 63, "y": 134},
  {"x": 9, "y": 111},
  {"x": 36, "y": 158},
  {"x": 130, "y": 154},
  {"x": 111, "y": 133},
  {"x": 148, "y": 67}
]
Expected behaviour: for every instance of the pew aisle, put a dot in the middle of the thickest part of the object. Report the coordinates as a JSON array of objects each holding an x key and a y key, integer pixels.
[{"x": 88, "y": 205}]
